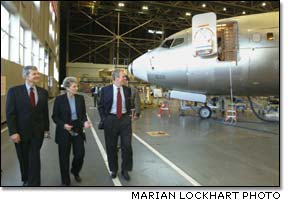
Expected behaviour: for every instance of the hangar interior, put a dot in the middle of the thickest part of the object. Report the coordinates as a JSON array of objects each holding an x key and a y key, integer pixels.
[{"x": 88, "y": 40}]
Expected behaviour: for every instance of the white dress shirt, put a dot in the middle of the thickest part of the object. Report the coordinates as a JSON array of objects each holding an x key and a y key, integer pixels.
[
  {"x": 115, "y": 93},
  {"x": 28, "y": 88}
]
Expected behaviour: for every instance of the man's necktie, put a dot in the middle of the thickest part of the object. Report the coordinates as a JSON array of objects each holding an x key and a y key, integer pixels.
[
  {"x": 32, "y": 97},
  {"x": 119, "y": 104}
]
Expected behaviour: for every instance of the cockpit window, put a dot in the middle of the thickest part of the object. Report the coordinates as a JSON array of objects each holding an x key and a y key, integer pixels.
[
  {"x": 167, "y": 43},
  {"x": 178, "y": 41}
]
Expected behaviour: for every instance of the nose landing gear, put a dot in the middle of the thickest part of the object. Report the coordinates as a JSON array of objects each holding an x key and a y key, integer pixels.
[{"x": 205, "y": 112}]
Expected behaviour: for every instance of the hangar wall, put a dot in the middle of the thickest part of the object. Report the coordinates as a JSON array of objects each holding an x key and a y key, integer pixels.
[
  {"x": 38, "y": 25},
  {"x": 81, "y": 69}
]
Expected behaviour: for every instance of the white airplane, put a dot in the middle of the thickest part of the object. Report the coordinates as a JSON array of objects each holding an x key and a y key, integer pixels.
[{"x": 238, "y": 55}]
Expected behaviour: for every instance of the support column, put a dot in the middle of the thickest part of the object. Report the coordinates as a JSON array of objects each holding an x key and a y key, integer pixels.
[
  {"x": 67, "y": 35},
  {"x": 118, "y": 41}
]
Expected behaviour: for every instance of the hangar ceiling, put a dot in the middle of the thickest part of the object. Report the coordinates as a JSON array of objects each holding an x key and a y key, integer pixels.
[{"x": 117, "y": 31}]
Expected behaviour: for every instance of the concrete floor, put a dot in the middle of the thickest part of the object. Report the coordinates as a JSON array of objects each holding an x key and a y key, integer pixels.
[{"x": 206, "y": 151}]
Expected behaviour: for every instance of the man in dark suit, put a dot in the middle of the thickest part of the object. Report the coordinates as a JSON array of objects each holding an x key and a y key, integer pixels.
[
  {"x": 115, "y": 109},
  {"x": 27, "y": 116}
]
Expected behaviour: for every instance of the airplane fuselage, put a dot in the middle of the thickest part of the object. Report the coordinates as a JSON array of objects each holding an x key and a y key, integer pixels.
[{"x": 254, "y": 72}]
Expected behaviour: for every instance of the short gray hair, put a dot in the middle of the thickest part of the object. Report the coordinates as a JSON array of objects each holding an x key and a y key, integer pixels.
[
  {"x": 26, "y": 70},
  {"x": 68, "y": 81},
  {"x": 116, "y": 73}
]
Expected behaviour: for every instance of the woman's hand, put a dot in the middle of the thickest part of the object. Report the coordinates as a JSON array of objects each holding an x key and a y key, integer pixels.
[
  {"x": 87, "y": 124},
  {"x": 68, "y": 127}
]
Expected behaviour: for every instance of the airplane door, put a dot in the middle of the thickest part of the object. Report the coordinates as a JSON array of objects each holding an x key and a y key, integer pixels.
[{"x": 204, "y": 39}]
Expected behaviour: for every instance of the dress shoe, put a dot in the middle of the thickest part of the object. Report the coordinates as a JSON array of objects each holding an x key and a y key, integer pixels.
[
  {"x": 77, "y": 178},
  {"x": 126, "y": 175},
  {"x": 25, "y": 183},
  {"x": 113, "y": 175}
]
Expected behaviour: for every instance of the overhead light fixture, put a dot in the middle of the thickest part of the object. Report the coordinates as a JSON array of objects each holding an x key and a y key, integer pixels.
[
  {"x": 188, "y": 14},
  {"x": 204, "y": 5},
  {"x": 121, "y": 4},
  {"x": 145, "y": 8},
  {"x": 224, "y": 9},
  {"x": 244, "y": 12},
  {"x": 155, "y": 32},
  {"x": 264, "y": 4}
]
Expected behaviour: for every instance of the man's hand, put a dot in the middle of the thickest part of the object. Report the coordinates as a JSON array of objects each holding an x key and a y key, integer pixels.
[
  {"x": 68, "y": 127},
  {"x": 15, "y": 138},
  {"x": 47, "y": 134}
]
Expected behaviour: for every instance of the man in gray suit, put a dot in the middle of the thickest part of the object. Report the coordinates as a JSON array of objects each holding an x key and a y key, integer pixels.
[{"x": 135, "y": 99}]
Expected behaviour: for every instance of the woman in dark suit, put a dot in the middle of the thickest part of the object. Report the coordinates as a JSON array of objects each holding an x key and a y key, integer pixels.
[{"x": 69, "y": 114}]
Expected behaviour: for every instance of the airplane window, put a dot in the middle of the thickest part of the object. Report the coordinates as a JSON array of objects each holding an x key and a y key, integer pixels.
[
  {"x": 256, "y": 37},
  {"x": 167, "y": 43},
  {"x": 178, "y": 41},
  {"x": 270, "y": 36}
]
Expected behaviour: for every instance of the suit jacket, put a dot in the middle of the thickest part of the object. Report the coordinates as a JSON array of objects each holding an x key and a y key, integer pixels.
[
  {"x": 22, "y": 118},
  {"x": 135, "y": 98},
  {"x": 106, "y": 99},
  {"x": 62, "y": 115}
]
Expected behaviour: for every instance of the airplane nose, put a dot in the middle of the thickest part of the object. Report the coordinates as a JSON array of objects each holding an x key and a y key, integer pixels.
[
  {"x": 130, "y": 68},
  {"x": 139, "y": 67}
]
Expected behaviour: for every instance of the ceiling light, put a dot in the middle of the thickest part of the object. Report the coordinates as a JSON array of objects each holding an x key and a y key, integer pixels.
[
  {"x": 224, "y": 9},
  {"x": 188, "y": 14},
  {"x": 204, "y": 5},
  {"x": 244, "y": 12},
  {"x": 264, "y": 4},
  {"x": 145, "y": 8},
  {"x": 121, "y": 4},
  {"x": 155, "y": 32}
]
